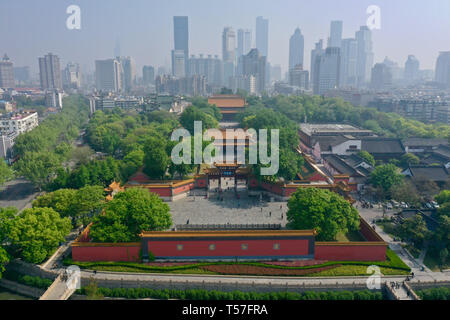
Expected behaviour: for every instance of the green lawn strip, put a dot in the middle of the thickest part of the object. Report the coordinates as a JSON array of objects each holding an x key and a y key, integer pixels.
[
  {"x": 201, "y": 294},
  {"x": 343, "y": 271},
  {"x": 27, "y": 280},
  {"x": 392, "y": 261}
]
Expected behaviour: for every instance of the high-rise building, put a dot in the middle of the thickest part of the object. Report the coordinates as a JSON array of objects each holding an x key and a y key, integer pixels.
[
  {"x": 349, "y": 54},
  {"x": 262, "y": 36},
  {"x": 178, "y": 64},
  {"x": 326, "y": 68},
  {"x": 244, "y": 42},
  {"x": 442, "y": 71},
  {"x": 128, "y": 73},
  {"x": 296, "y": 49},
  {"x": 253, "y": 64},
  {"x": 148, "y": 75},
  {"x": 228, "y": 45},
  {"x": 181, "y": 38},
  {"x": 22, "y": 74},
  {"x": 108, "y": 75},
  {"x": 228, "y": 54},
  {"x": 210, "y": 67},
  {"x": 365, "y": 55},
  {"x": 299, "y": 77},
  {"x": 50, "y": 72},
  {"x": 317, "y": 51},
  {"x": 335, "y": 34},
  {"x": 72, "y": 76},
  {"x": 411, "y": 69},
  {"x": 275, "y": 72},
  {"x": 6, "y": 73},
  {"x": 396, "y": 71},
  {"x": 381, "y": 77}
]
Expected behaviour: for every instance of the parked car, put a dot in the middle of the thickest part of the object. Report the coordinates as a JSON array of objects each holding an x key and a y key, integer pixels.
[
  {"x": 428, "y": 205},
  {"x": 435, "y": 204},
  {"x": 389, "y": 206}
]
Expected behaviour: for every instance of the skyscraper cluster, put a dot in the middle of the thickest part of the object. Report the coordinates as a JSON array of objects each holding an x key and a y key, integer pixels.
[
  {"x": 242, "y": 65},
  {"x": 344, "y": 63}
]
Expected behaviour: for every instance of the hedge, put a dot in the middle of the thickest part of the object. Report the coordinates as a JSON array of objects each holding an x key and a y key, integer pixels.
[
  {"x": 392, "y": 261},
  {"x": 442, "y": 293},
  {"x": 200, "y": 294},
  {"x": 27, "y": 280}
]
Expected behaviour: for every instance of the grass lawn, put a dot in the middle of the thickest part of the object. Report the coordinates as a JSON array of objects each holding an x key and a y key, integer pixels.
[{"x": 342, "y": 271}]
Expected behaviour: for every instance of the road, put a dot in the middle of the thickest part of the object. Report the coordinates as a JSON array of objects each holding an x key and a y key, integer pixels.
[{"x": 18, "y": 193}]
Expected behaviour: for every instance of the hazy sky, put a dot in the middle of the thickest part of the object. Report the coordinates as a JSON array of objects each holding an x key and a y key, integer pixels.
[{"x": 31, "y": 28}]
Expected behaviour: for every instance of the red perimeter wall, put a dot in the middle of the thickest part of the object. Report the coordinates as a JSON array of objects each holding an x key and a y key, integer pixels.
[
  {"x": 114, "y": 252},
  {"x": 229, "y": 248},
  {"x": 350, "y": 252}
]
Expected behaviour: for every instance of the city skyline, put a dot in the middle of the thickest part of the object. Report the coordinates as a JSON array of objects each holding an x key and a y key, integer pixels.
[{"x": 148, "y": 36}]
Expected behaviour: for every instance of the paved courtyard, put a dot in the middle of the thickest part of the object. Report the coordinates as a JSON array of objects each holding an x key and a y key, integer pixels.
[{"x": 245, "y": 210}]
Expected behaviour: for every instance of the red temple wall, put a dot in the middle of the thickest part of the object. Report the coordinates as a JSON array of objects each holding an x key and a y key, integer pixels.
[
  {"x": 228, "y": 248},
  {"x": 350, "y": 252},
  {"x": 106, "y": 253}
]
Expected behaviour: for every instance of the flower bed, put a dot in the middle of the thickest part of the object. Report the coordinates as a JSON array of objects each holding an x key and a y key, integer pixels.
[
  {"x": 298, "y": 263},
  {"x": 261, "y": 271}
]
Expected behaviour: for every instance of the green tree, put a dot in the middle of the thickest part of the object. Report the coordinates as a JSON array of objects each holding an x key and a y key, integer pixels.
[
  {"x": 37, "y": 232},
  {"x": 89, "y": 201},
  {"x": 39, "y": 168},
  {"x": 6, "y": 173},
  {"x": 385, "y": 176},
  {"x": 79, "y": 205},
  {"x": 406, "y": 192},
  {"x": 192, "y": 114},
  {"x": 4, "y": 259},
  {"x": 156, "y": 159},
  {"x": 128, "y": 214},
  {"x": 366, "y": 157},
  {"x": 322, "y": 210},
  {"x": 409, "y": 159},
  {"x": 92, "y": 291},
  {"x": 414, "y": 230},
  {"x": 443, "y": 197}
]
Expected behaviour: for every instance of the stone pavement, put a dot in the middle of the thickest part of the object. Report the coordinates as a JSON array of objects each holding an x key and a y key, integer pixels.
[{"x": 245, "y": 210}]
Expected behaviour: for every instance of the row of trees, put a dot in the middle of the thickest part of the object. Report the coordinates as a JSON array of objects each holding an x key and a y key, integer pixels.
[
  {"x": 321, "y": 110},
  {"x": 80, "y": 205},
  {"x": 43, "y": 150}
]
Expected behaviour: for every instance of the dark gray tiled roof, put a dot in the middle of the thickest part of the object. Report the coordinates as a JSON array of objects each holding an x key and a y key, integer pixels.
[{"x": 382, "y": 145}]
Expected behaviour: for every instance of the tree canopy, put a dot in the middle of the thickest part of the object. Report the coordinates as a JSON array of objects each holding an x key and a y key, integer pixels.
[
  {"x": 128, "y": 214},
  {"x": 325, "y": 211},
  {"x": 386, "y": 176},
  {"x": 79, "y": 205},
  {"x": 36, "y": 233}
]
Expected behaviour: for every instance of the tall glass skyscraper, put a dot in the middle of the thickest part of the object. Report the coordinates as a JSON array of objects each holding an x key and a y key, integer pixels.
[
  {"x": 335, "y": 34},
  {"x": 244, "y": 42},
  {"x": 181, "y": 38},
  {"x": 262, "y": 36},
  {"x": 296, "y": 49}
]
